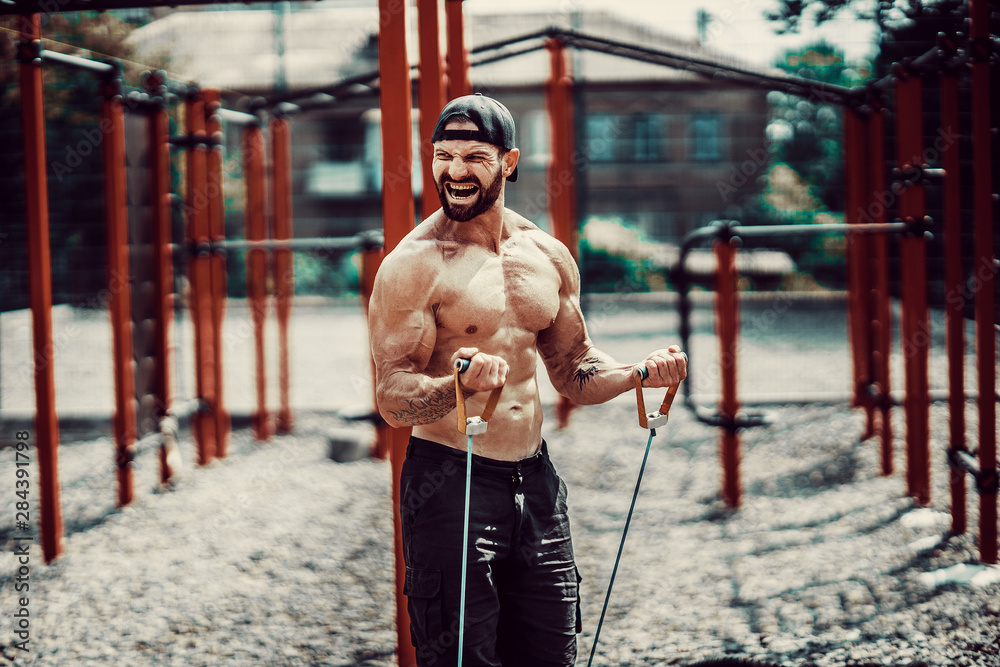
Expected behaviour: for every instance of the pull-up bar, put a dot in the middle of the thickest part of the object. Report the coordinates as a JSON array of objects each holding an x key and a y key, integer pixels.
[{"x": 729, "y": 415}]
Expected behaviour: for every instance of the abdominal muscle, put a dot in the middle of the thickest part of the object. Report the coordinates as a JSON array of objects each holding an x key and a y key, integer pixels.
[{"x": 515, "y": 429}]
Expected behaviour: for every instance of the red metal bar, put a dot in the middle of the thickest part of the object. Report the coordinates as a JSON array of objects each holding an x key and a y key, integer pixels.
[
  {"x": 561, "y": 178},
  {"x": 880, "y": 308},
  {"x": 124, "y": 425},
  {"x": 397, "y": 221},
  {"x": 36, "y": 204},
  {"x": 284, "y": 269},
  {"x": 954, "y": 301},
  {"x": 200, "y": 279},
  {"x": 915, "y": 324},
  {"x": 255, "y": 214},
  {"x": 859, "y": 277},
  {"x": 727, "y": 318},
  {"x": 163, "y": 270},
  {"x": 217, "y": 232},
  {"x": 458, "y": 56},
  {"x": 431, "y": 96},
  {"x": 985, "y": 271},
  {"x": 371, "y": 259}
]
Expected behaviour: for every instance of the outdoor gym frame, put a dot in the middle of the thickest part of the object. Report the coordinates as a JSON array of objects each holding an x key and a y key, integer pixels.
[{"x": 869, "y": 312}]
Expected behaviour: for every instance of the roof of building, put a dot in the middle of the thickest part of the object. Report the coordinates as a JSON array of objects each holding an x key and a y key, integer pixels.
[{"x": 238, "y": 49}]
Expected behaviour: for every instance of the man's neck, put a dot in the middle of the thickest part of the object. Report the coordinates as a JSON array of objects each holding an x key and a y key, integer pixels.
[{"x": 486, "y": 230}]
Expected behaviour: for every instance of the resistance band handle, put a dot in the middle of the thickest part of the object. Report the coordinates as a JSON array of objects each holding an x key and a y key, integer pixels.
[
  {"x": 652, "y": 420},
  {"x": 472, "y": 425}
]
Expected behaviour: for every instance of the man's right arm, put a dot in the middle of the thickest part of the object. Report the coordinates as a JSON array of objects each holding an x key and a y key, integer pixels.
[{"x": 402, "y": 335}]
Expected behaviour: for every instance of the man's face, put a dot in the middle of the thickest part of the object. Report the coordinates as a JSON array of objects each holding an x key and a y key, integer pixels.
[{"x": 467, "y": 174}]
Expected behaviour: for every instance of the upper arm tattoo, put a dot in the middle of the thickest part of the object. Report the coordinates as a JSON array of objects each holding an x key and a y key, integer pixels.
[{"x": 587, "y": 369}]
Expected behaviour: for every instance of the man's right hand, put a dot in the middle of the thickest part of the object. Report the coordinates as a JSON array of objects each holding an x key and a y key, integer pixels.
[{"x": 485, "y": 371}]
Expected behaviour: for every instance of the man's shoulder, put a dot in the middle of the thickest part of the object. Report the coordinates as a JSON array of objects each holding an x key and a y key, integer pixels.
[{"x": 531, "y": 232}]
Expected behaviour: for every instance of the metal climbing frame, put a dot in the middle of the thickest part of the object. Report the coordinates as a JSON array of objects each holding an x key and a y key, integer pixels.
[
  {"x": 724, "y": 236},
  {"x": 872, "y": 193}
]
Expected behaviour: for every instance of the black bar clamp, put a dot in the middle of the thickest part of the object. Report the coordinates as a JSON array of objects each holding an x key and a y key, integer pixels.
[
  {"x": 30, "y": 51},
  {"x": 987, "y": 481}
]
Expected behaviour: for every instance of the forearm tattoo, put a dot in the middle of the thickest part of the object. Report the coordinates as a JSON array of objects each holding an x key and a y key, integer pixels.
[
  {"x": 429, "y": 409},
  {"x": 587, "y": 369}
]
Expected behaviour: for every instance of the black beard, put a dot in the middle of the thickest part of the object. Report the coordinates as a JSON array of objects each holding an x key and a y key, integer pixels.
[{"x": 484, "y": 200}]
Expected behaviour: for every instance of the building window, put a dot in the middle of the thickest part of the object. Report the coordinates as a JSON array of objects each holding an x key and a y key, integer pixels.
[
  {"x": 648, "y": 132},
  {"x": 536, "y": 145},
  {"x": 706, "y": 137},
  {"x": 602, "y": 130},
  {"x": 632, "y": 138}
]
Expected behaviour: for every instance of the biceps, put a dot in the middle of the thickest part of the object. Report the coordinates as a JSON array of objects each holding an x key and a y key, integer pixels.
[
  {"x": 564, "y": 343},
  {"x": 402, "y": 340}
]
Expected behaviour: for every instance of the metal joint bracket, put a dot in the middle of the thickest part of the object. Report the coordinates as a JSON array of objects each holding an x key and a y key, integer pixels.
[
  {"x": 987, "y": 481},
  {"x": 30, "y": 51},
  {"x": 918, "y": 226}
]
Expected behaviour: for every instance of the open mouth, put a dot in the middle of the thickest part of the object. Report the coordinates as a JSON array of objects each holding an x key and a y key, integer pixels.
[{"x": 461, "y": 191}]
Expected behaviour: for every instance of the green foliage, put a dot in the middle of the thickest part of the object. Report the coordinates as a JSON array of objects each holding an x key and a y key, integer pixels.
[
  {"x": 807, "y": 134},
  {"x": 76, "y": 206},
  {"x": 326, "y": 274}
]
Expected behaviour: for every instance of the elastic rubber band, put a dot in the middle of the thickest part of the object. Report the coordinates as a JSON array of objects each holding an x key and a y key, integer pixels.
[
  {"x": 621, "y": 547},
  {"x": 465, "y": 551}
]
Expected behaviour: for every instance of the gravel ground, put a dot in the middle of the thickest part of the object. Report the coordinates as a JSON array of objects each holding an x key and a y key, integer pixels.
[{"x": 279, "y": 556}]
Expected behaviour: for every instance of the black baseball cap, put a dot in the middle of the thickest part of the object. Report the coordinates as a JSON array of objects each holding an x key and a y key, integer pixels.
[{"x": 496, "y": 125}]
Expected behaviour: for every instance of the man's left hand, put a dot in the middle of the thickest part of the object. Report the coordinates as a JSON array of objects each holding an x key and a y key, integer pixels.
[{"x": 667, "y": 368}]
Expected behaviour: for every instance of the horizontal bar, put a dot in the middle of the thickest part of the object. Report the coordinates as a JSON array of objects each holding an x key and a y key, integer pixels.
[
  {"x": 764, "y": 231},
  {"x": 365, "y": 240},
  {"x": 33, "y": 6},
  {"x": 240, "y": 117},
  {"x": 788, "y": 83},
  {"x": 504, "y": 55},
  {"x": 721, "y": 229},
  {"x": 318, "y": 243},
  {"x": 77, "y": 62},
  {"x": 816, "y": 398}
]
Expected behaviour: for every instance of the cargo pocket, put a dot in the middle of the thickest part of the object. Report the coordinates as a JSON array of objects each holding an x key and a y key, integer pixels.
[
  {"x": 579, "y": 616},
  {"x": 423, "y": 592}
]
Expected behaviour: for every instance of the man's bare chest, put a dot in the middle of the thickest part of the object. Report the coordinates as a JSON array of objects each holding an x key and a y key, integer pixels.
[{"x": 483, "y": 294}]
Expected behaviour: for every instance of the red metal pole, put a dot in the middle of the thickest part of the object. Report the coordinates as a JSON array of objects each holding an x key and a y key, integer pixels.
[
  {"x": 954, "y": 301},
  {"x": 915, "y": 325},
  {"x": 163, "y": 271},
  {"x": 458, "y": 56},
  {"x": 397, "y": 221},
  {"x": 858, "y": 274},
  {"x": 120, "y": 304},
  {"x": 284, "y": 269},
  {"x": 217, "y": 232},
  {"x": 431, "y": 95},
  {"x": 200, "y": 278},
  {"x": 727, "y": 318},
  {"x": 255, "y": 213},
  {"x": 880, "y": 308},
  {"x": 985, "y": 272},
  {"x": 371, "y": 259},
  {"x": 36, "y": 203},
  {"x": 561, "y": 177}
]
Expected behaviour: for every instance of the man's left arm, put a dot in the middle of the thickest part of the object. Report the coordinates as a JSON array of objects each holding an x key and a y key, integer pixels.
[{"x": 580, "y": 371}]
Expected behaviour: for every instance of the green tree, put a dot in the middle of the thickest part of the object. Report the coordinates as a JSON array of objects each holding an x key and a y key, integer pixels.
[{"x": 72, "y": 100}]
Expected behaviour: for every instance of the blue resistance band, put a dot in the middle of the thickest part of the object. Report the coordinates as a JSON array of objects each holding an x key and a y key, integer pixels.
[
  {"x": 465, "y": 552},
  {"x": 621, "y": 547}
]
